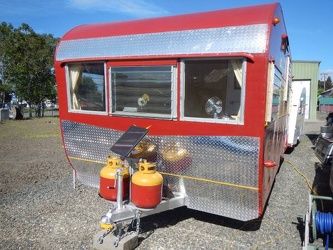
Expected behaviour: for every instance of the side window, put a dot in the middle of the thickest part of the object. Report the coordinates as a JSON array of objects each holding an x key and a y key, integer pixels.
[
  {"x": 276, "y": 92},
  {"x": 276, "y": 96},
  {"x": 213, "y": 89},
  {"x": 142, "y": 91},
  {"x": 86, "y": 86}
]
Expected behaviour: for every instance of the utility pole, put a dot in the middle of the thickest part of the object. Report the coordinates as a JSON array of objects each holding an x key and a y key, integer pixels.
[{"x": 323, "y": 74}]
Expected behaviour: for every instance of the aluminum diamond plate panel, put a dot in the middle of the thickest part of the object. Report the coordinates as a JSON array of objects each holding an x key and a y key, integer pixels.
[
  {"x": 219, "y": 174},
  {"x": 247, "y": 38}
]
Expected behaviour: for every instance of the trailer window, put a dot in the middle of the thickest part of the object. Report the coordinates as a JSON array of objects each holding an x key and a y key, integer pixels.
[
  {"x": 276, "y": 97},
  {"x": 142, "y": 90},
  {"x": 275, "y": 105},
  {"x": 213, "y": 90},
  {"x": 87, "y": 86}
]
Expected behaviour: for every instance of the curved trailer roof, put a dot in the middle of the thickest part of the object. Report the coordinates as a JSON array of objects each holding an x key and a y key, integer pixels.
[{"x": 237, "y": 30}]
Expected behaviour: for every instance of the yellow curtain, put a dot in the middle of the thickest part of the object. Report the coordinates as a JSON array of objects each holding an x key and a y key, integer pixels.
[{"x": 74, "y": 75}]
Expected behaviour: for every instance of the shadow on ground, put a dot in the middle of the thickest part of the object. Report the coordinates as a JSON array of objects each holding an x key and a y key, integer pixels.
[
  {"x": 169, "y": 218},
  {"x": 313, "y": 138}
]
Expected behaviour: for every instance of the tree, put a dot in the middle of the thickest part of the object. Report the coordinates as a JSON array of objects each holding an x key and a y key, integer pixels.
[
  {"x": 328, "y": 83},
  {"x": 320, "y": 88},
  {"x": 28, "y": 60},
  {"x": 5, "y": 30},
  {"x": 324, "y": 85}
]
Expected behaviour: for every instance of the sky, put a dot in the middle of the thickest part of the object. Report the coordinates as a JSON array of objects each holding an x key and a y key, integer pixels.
[{"x": 309, "y": 22}]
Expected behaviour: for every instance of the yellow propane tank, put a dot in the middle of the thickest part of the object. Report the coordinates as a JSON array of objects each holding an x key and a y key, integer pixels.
[
  {"x": 108, "y": 185},
  {"x": 146, "y": 186}
]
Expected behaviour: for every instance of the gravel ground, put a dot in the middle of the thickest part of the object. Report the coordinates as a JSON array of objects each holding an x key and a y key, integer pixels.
[{"x": 39, "y": 209}]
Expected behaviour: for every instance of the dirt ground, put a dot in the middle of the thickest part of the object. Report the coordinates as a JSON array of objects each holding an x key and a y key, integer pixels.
[
  {"x": 36, "y": 190},
  {"x": 39, "y": 209}
]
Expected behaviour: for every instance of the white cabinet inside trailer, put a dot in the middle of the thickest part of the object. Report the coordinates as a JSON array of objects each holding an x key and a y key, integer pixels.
[
  {"x": 299, "y": 110},
  {"x": 298, "y": 86}
]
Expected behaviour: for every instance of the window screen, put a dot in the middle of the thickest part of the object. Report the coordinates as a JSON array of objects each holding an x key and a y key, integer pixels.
[
  {"x": 213, "y": 89},
  {"x": 142, "y": 90},
  {"x": 87, "y": 86}
]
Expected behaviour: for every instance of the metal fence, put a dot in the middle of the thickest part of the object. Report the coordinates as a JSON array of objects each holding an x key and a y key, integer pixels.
[{"x": 46, "y": 113}]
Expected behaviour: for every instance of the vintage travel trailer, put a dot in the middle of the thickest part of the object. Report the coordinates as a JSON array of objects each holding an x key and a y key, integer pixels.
[
  {"x": 204, "y": 98},
  {"x": 296, "y": 115}
]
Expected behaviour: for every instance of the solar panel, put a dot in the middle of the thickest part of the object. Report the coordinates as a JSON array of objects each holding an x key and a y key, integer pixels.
[{"x": 127, "y": 142}]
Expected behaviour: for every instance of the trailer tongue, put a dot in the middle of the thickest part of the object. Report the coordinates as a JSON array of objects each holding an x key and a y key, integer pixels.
[{"x": 134, "y": 197}]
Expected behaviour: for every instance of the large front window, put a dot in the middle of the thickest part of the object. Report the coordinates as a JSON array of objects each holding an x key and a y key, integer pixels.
[
  {"x": 86, "y": 87},
  {"x": 213, "y": 90},
  {"x": 142, "y": 91}
]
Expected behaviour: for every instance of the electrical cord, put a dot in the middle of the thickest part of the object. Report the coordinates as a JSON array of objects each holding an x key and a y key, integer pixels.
[
  {"x": 271, "y": 240},
  {"x": 301, "y": 174},
  {"x": 325, "y": 222},
  {"x": 324, "y": 225},
  {"x": 306, "y": 180}
]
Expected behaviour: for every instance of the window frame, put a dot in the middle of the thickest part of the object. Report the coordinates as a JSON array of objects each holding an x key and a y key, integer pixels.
[
  {"x": 68, "y": 89},
  {"x": 240, "y": 120},
  {"x": 173, "y": 89}
]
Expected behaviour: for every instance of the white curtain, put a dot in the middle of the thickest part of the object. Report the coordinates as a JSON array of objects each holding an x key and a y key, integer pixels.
[
  {"x": 237, "y": 68},
  {"x": 216, "y": 75},
  {"x": 74, "y": 75}
]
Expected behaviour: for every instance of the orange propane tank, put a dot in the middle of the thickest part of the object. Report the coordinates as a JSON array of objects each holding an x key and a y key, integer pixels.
[
  {"x": 146, "y": 186},
  {"x": 108, "y": 182}
]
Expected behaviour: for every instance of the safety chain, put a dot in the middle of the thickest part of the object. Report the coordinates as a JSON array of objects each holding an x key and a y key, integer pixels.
[
  {"x": 101, "y": 238},
  {"x": 120, "y": 237},
  {"x": 138, "y": 221}
]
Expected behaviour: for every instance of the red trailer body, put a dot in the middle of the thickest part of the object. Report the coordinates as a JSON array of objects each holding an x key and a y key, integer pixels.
[{"x": 212, "y": 87}]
